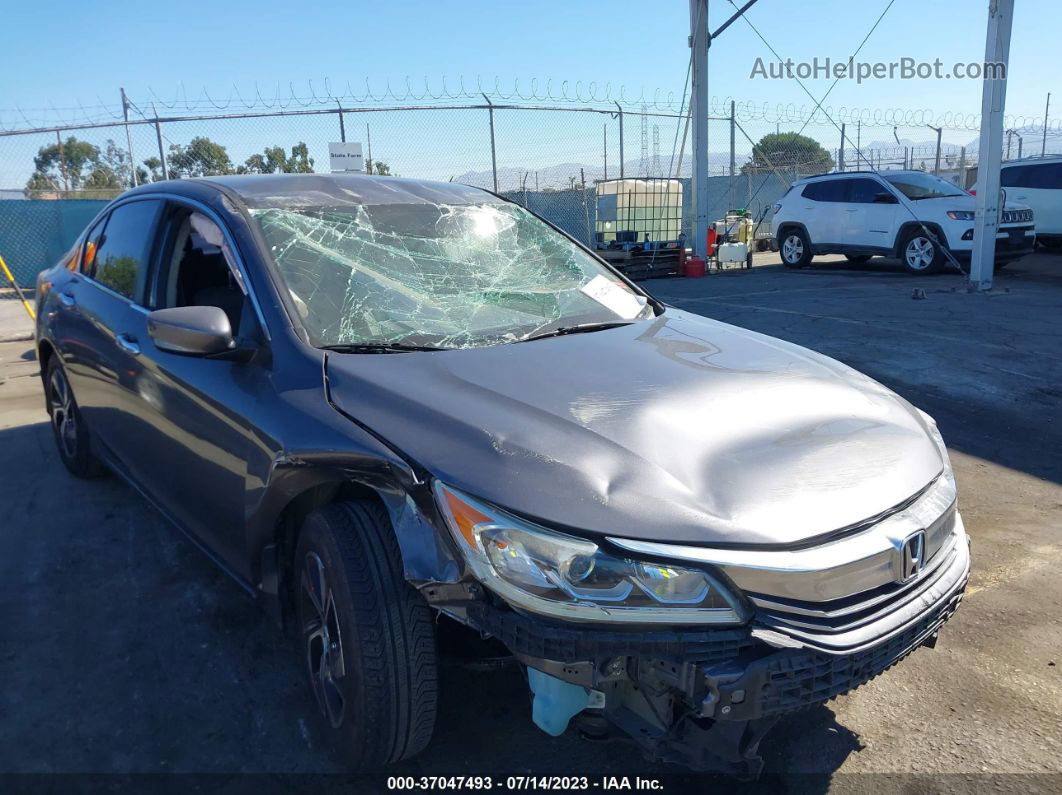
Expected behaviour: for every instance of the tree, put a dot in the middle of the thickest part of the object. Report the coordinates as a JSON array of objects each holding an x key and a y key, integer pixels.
[
  {"x": 201, "y": 158},
  {"x": 790, "y": 151},
  {"x": 79, "y": 166},
  {"x": 380, "y": 168},
  {"x": 274, "y": 159},
  {"x": 73, "y": 158}
]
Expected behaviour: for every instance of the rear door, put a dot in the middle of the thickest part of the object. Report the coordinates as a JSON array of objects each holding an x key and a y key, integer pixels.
[
  {"x": 869, "y": 218},
  {"x": 1039, "y": 185},
  {"x": 97, "y": 308},
  {"x": 824, "y": 206}
]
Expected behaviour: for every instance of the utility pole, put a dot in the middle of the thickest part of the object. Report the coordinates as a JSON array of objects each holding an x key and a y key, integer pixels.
[
  {"x": 700, "y": 42},
  {"x": 128, "y": 137},
  {"x": 733, "y": 124},
  {"x": 1043, "y": 146},
  {"x": 990, "y": 147}
]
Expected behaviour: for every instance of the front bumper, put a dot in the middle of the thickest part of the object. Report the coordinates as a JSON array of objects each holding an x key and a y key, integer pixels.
[
  {"x": 705, "y": 698},
  {"x": 1011, "y": 243}
]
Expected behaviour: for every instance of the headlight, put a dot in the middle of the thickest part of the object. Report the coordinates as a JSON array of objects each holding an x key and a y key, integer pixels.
[
  {"x": 572, "y": 578},
  {"x": 960, "y": 215}
]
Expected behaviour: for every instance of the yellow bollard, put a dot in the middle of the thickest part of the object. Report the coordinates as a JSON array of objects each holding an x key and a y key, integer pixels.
[{"x": 11, "y": 278}]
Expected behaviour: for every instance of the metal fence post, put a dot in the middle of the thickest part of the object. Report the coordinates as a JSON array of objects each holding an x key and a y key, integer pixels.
[
  {"x": 128, "y": 138},
  {"x": 158, "y": 137},
  {"x": 342, "y": 127},
  {"x": 620, "y": 109},
  {"x": 840, "y": 152},
  {"x": 605, "y": 146},
  {"x": 493, "y": 150}
]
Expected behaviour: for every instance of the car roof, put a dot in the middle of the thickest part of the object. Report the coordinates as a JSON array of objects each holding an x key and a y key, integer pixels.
[
  {"x": 271, "y": 190},
  {"x": 865, "y": 173},
  {"x": 1035, "y": 160},
  {"x": 293, "y": 190}
]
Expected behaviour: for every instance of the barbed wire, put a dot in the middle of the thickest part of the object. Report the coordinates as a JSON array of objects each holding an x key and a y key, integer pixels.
[{"x": 425, "y": 93}]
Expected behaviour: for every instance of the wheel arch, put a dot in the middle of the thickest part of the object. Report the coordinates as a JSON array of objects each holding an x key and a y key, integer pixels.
[
  {"x": 786, "y": 226},
  {"x": 427, "y": 555},
  {"x": 910, "y": 226}
]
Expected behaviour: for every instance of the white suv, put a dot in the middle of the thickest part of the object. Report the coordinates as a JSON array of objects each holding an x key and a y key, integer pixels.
[
  {"x": 1038, "y": 183},
  {"x": 904, "y": 214}
]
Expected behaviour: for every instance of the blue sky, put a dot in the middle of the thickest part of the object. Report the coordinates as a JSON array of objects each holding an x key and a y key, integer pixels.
[{"x": 639, "y": 45}]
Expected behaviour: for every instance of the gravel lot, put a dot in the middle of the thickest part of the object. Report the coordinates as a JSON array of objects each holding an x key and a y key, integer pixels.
[{"x": 123, "y": 650}]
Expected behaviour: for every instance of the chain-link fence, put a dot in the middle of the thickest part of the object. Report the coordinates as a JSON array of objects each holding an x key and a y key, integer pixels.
[{"x": 560, "y": 161}]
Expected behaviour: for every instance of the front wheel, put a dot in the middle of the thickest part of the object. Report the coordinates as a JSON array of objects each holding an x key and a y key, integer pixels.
[
  {"x": 919, "y": 253},
  {"x": 365, "y": 636},
  {"x": 795, "y": 249}
]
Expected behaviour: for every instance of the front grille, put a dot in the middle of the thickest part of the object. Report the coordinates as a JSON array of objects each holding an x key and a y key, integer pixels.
[
  {"x": 818, "y": 622},
  {"x": 801, "y": 679}
]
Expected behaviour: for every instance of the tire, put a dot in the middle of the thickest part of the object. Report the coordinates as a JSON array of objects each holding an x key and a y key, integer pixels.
[
  {"x": 795, "y": 249},
  {"x": 1053, "y": 244},
  {"x": 71, "y": 433},
  {"x": 858, "y": 259},
  {"x": 376, "y": 685},
  {"x": 919, "y": 254}
]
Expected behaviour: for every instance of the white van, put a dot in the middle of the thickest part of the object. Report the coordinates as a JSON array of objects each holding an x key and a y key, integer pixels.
[{"x": 1038, "y": 184}]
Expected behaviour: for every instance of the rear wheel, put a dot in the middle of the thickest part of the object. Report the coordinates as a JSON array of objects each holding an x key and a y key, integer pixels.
[
  {"x": 365, "y": 636},
  {"x": 919, "y": 253},
  {"x": 795, "y": 249},
  {"x": 71, "y": 433}
]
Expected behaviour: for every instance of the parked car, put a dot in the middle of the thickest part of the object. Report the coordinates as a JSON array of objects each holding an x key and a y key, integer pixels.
[
  {"x": 383, "y": 405},
  {"x": 911, "y": 215},
  {"x": 1038, "y": 184}
]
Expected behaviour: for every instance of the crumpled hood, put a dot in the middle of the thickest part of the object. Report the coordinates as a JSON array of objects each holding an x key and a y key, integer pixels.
[{"x": 674, "y": 429}]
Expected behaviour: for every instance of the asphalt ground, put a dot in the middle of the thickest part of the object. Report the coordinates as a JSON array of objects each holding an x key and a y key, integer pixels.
[{"x": 124, "y": 651}]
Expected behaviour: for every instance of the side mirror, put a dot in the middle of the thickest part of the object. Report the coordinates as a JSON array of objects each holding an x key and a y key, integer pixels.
[
  {"x": 885, "y": 198},
  {"x": 191, "y": 330}
]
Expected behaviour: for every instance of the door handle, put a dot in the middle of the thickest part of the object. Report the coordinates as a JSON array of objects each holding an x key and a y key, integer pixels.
[
  {"x": 67, "y": 299},
  {"x": 128, "y": 344},
  {"x": 851, "y": 209}
]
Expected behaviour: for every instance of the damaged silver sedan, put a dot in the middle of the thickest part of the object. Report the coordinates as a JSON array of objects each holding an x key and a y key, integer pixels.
[{"x": 392, "y": 408}]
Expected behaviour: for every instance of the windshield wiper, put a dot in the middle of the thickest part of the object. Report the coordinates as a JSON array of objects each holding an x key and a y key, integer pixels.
[
  {"x": 580, "y": 328},
  {"x": 381, "y": 347}
]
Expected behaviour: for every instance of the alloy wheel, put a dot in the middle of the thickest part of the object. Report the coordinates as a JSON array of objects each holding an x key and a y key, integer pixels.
[
  {"x": 61, "y": 406},
  {"x": 323, "y": 639},
  {"x": 793, "y": 249},
  {"x": 919, "y": 253}
]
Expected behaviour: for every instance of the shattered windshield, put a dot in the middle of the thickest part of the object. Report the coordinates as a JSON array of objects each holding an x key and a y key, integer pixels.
[{"x": 437, "y": 275}]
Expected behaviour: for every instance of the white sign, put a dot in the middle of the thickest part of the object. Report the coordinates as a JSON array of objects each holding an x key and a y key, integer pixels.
[{"x": 345, "y": 157}]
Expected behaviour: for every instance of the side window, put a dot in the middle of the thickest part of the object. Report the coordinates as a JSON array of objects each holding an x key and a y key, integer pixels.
[
  {"x": 92, "y": 241},
  {"x": 863, "y": 191},
  {"x": 198, "y": 269},
  {"x": 122, "y": 255},
  {"x": 1042, "y": 176},
  {"x": 829, "y": 190}
]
